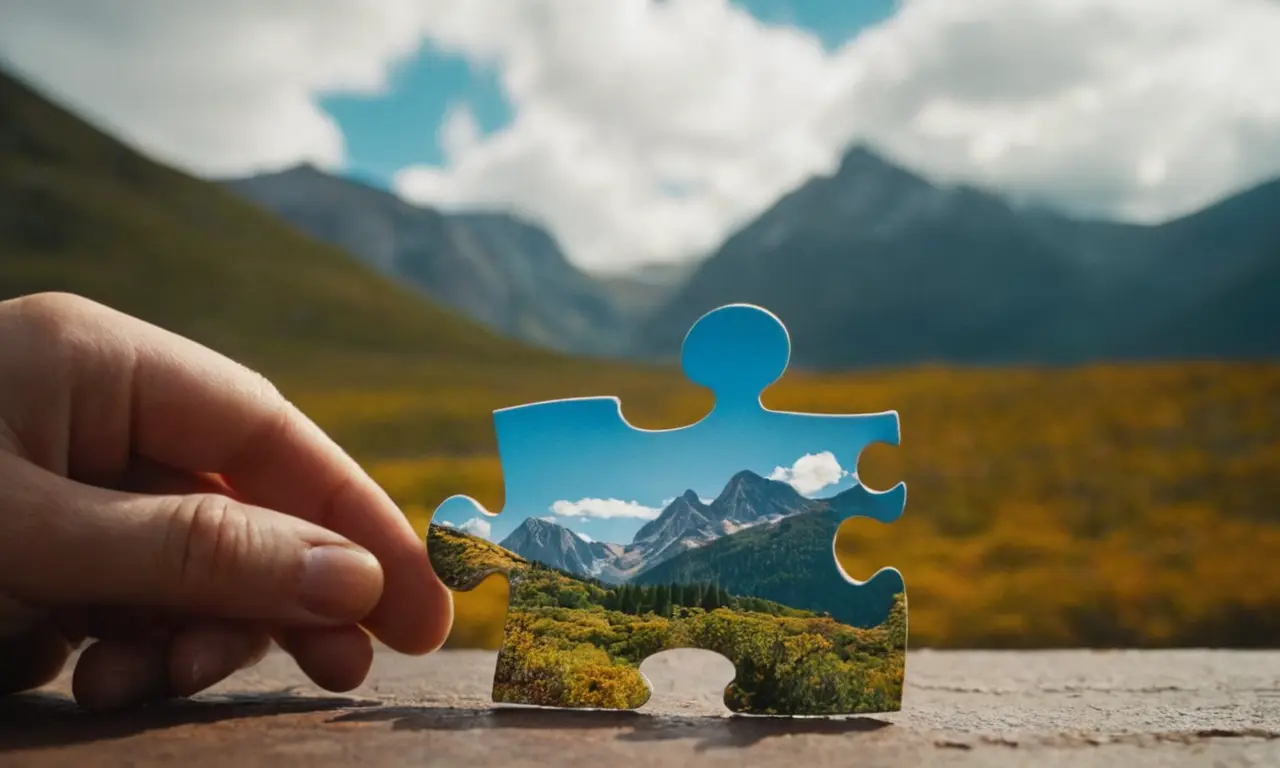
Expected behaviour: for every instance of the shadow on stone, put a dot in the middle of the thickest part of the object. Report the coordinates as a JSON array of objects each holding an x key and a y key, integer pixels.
[
  {"x": 709, "y": 732},
  {"x": 41, "y": 719}
]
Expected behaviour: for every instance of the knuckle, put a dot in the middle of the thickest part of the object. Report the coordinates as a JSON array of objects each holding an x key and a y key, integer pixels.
[
  {"x": 53, "y": 309},
  {"x": 277, "y": 414},
  {"x": 209, "y": 537},
  {"x": 53, "y": 323},
  {"x": 267, "y": 391}
]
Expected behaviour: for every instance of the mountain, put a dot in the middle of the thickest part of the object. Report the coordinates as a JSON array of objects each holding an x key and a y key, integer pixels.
[
  {"x": 685, "y": 524},
  {"x": 873, "y": 265},
  {"x": 82, "y": 212},
  {"x": 492, "y": 267},
  {"x": 558, "y": 547},
  {"x": 788, "y": 562},
  {"x": 1211, "y": 287},
  {"x": 748, "y": 499}
]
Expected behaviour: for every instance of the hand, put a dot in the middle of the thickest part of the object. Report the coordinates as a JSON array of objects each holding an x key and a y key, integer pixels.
[{"x": 171, "y": 505}]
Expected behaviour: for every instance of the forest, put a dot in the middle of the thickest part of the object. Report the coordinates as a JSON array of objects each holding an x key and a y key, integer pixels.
[{"x": 574, "y": 642}]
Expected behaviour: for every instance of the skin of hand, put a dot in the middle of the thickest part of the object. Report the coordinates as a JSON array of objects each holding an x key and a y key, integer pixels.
[{"x": 170, "y": 507}]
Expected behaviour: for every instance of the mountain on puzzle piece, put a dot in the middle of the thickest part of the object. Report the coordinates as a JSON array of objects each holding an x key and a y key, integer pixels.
[{"x": 619, "y": 543}]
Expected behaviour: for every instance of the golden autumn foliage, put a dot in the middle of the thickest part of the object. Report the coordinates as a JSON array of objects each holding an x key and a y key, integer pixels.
[
  {"x": 575, "y": 642},
  {"x": 1116, "y": 505}
]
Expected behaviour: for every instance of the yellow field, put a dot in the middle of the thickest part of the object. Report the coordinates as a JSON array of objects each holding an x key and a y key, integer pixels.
[{"x": 1102, "y": 506}]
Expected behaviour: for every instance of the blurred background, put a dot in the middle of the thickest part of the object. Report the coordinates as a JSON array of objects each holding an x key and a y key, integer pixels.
[{"x": 1046, "y": 232}]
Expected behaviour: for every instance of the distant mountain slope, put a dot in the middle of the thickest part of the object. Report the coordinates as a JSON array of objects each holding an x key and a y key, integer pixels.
[
  {"x": 874, "y": 265},
  {"x": 501, "y": 271},
  {"x": 558, "y": 547},
  {"x": 1213, "y": 283},
  {"x": 82, "y": 212},
  {"x": 787, "y": 562}
]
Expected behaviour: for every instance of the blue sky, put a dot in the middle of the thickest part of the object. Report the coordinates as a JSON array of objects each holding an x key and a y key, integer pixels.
[
  {"x": 388, "y": 132},
  {"x": 577, "y": 461}
]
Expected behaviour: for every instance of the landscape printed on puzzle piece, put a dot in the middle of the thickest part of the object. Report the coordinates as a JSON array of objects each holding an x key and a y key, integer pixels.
[{"x": 619, "y": 543}]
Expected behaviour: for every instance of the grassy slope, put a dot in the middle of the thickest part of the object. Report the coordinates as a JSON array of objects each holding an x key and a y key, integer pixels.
[
  {"x": 85, "y": 213},
  {"x": 579, "y": 642},
  {"x": 388, "y": 372},
  {"x": 1104, "y": 505}
]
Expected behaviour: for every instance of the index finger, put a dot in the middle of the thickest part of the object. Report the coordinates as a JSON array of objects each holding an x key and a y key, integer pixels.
[{"x": 194, "y": 409}]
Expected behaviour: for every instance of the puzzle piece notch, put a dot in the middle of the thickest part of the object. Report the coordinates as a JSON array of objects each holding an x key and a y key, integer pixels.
[{"x": 463, "y": 563}]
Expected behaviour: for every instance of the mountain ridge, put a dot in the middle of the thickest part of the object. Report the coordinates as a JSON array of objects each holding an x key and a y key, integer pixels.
[
  {"x": 84, "y": 212},
  {"x": 873, "y": 265},
  {"x": 496, "y": 268},
  {"x": 686, "y": 523}
]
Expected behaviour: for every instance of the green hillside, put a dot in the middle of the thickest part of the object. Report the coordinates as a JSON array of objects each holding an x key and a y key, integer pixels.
[
  {"x": 577, "y": 642},
  {"x": 84, "y": 213},
  {"x": 787, "y": 562}
]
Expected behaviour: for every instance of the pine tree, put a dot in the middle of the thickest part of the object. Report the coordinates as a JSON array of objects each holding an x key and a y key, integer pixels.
[
  {"x": 644, "y": 600},
  {"x": 662, "y": 600},
  {"x": 709, "y": 595}
]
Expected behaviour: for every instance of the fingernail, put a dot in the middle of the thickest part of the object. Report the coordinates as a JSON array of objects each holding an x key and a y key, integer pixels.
[
  {"x": 204, "y": 655},
  {"x": 340, "y": 583},
  {"x": 116, "y": 675}
]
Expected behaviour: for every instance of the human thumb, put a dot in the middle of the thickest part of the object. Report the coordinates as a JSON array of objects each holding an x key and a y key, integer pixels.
[{"x": 62, "y": 542}]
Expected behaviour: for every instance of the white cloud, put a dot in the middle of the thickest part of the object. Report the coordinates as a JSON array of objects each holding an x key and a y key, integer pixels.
[
  {"x": 811, "y": 473},
  {"x": 548, "y": 518},
  {"x": 604, "y": 509},
  {"x": 477, "y": 527},
  {"x": 584, "y": 537},
  {"x": 1126, "y": 107},
  {"x": 1131, "y": 107},
  {"x": 216, "y": 88}
]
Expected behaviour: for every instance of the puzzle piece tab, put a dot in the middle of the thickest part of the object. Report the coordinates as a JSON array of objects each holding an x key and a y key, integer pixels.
[{"x": 621, "y": 542}]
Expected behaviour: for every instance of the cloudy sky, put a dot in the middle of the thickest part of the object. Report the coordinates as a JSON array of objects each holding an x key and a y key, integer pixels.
[{"x": 645, "y": 130}]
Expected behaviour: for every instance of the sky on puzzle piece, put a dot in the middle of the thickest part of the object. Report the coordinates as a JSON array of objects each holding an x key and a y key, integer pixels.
[
  {"x": 579, "y": 464},
  {"x": 609, "y": 493},
  {"x": 639, "y": 130}
]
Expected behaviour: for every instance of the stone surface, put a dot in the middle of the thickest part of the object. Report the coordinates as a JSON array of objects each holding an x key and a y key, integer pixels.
[{"x": 961, "y": 708}]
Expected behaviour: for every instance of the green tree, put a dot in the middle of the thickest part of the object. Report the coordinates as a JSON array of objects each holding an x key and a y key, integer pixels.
[
  {"x": 710, "y": 598},
  {"x": 662, "y": 600},
  {"x": 628, "y": 602}
]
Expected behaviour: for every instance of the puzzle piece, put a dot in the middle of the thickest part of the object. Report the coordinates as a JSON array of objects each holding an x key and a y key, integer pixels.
[{"x": 620, "y": 542}]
